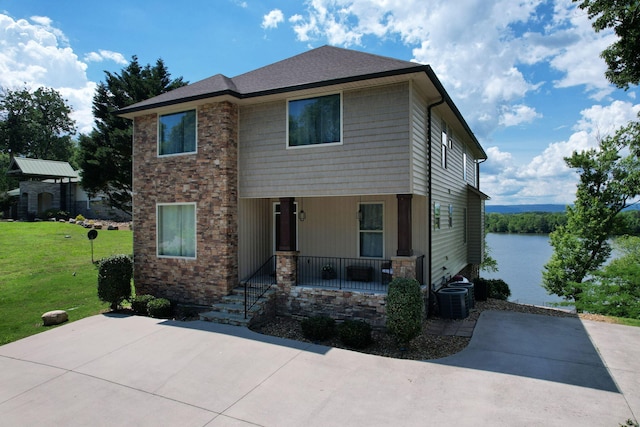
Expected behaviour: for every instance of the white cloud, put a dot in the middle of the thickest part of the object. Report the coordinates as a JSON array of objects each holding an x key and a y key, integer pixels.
[
  {"x": 518, "y": 114},
  {"x": 272, "y": 19},
  {"x": 103, "y": 55},
  {"x": 35, "y": 54},
  {"x": 546, "y": 178},
  {"x": 478, "y": 50}
]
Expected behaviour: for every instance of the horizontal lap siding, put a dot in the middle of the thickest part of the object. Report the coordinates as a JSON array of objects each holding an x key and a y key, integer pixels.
[
  {"x": 419, "y": 158},
  {"x": 448, "y": 187},
  {"x": 373, "y": 159}
]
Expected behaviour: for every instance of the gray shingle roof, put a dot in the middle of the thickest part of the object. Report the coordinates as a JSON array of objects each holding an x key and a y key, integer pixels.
[
  {"x": 318, "y": 67},
  {"x": 41, "y": 168}
]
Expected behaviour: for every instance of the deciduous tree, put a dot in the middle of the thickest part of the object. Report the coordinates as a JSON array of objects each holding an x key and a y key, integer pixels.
[
  {"x": 609, "y": 182},
  {"x": 623, "y": 56},
  {"x": 36, "y": 124}
]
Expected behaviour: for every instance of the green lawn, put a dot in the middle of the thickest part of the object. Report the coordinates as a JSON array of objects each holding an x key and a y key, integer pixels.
[{"x": 47, "y": 266}]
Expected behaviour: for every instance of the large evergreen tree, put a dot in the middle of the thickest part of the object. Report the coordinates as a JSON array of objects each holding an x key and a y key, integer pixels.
[
  {"x": 36, "y": 124},
  {"x": 106, "y": 154}
]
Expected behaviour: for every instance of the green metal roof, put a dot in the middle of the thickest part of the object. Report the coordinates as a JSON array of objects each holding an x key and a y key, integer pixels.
[{"x": 41, "y": 168}]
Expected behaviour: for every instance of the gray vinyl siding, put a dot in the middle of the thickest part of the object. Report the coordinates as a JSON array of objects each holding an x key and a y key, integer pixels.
[
  {"x": 419, "y": 158},
  {"x": 476, "y": 229},
  {"x": 374, "y": 157},
  {"x": 449, "y": 250},
  {"x": 254, "y": 235}
]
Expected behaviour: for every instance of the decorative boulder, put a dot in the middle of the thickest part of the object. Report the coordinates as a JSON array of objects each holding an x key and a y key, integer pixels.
[{"x": 54, "y": 317}]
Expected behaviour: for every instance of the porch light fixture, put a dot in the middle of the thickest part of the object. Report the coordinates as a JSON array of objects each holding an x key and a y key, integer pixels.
[{"x": 302, "y": 215}]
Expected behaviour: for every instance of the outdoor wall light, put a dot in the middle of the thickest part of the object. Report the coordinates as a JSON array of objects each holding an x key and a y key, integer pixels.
[{"x": 302, "y": 215}]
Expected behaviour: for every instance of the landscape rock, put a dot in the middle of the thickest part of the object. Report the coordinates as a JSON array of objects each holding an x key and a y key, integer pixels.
[{"x": 54, "y": 317}]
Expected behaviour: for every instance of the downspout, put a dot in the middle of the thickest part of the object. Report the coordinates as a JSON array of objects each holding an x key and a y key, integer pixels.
[{"x": 429, "y": 178}]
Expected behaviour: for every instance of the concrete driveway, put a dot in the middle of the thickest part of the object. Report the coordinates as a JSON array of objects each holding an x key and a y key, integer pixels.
[{"x": 519, "y": 369}]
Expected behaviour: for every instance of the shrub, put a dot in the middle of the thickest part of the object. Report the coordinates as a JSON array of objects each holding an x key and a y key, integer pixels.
[
  {"x": 355, "y": 333},
  {"x": 498, "y": 289},
  {"x": 139, "y": 304},
  {"x": 159, "y": 308},
  {"x": 404, "y": 309},
  {"x": 79, "y": 218},
  {"x": 318, "y": 328},
  {"x": 114, "y": 279}
]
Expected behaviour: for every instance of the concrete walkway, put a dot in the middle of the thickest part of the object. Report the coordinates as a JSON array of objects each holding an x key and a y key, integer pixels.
[{"x": 519, "y": 369}]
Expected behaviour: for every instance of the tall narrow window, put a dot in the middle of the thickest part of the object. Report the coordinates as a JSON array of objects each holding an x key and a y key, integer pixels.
[
  {"x": 464, "y": 225},
  {"x": 450, "y": 216},
  {"x": 446, "y": 144},
  {"x": 315, "y": 121},
  {"x": 177, "y": 133},
  {"x": 177, "y": 230},
  {"x": 436, "y": 216},
  {"x": 464, "y": 166},
  {"x": 371, "y": 230}
]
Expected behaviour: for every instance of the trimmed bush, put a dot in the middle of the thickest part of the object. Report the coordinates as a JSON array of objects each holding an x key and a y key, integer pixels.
[
  {"x": 494, "y": 288},
  {"x": 404, "y": 309},
  {"x": 114, "y": 279},
  {"x": 318, "y": 328},
  {"x": 498, "y": 289},
  {"x": 355, "y": 333},
  {"x": 159, "y": 308},
  {"x": 79, "y": 218},
  {"x": 139, "y": 304}
]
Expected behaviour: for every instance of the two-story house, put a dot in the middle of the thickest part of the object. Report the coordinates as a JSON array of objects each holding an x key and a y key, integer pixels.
[{"x": 329, "y": 172}]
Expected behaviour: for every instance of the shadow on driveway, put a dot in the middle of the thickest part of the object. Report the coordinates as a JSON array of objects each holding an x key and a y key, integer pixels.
[{"x": 534, "y": 346}]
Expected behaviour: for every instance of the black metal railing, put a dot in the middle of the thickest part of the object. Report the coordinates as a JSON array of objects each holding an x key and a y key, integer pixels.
[
  {"x": 344, "y": 273},
  {"x": 258, "y": 284}
]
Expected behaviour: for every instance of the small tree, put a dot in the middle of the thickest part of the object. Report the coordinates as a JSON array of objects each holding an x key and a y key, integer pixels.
[
  {"x": 114, "y": 279},
  {"x": 404, "y": 309},
  {"x": 609, "y": 182}
]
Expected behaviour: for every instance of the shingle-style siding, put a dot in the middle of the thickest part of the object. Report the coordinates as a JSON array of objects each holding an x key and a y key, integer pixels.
[
  {"x": 207, "y": 178},
  {"x": 373, "y": 159}
]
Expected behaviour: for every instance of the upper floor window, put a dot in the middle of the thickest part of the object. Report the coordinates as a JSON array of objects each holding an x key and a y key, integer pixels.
[
  {"x": 177, "y": 133},
  {"x": 447, "y": 143},
  {"x": 315, "y": 121},
  {"x": 464, "y": 166}
]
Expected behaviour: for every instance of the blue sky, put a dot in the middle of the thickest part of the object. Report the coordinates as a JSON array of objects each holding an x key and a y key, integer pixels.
[{"x": 526, "y": 74}]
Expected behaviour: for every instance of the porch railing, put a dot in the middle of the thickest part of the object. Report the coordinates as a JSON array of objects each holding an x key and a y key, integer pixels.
[
  {"x": 258, "y": 284},
  {"x": 344, "y": 273}
]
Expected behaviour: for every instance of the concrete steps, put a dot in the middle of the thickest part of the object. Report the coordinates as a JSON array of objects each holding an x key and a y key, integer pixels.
[{"x": 230, "y": 310}]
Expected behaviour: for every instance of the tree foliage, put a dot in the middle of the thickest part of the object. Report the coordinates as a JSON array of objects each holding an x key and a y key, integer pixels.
[
  {"x": 609, "y": 182},
  {"x": 526, "y": 222},
  {"x": 36, "y": 124},
  {"x": 106, "y": 154},
  {"x": 623, "y": 56},
  {"x": 615, "y": 290}
]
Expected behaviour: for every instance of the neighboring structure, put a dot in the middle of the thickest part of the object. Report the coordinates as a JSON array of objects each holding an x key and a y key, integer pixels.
[
  {"x": 49, "y": 184},
  {"x": 351, "y": 168}
]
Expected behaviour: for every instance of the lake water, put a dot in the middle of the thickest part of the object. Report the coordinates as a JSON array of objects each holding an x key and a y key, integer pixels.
[{"x": 521, "y": 258}]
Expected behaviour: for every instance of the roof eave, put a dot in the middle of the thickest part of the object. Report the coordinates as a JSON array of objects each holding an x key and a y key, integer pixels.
[{"x": 130, "y": 113}]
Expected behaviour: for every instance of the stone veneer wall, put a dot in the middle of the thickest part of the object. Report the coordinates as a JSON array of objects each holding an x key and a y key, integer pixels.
[{"x": 210, "y": 179}]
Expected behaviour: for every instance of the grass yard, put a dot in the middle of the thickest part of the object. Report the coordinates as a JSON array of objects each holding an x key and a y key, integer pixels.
[{"x": 47, "y": 266}]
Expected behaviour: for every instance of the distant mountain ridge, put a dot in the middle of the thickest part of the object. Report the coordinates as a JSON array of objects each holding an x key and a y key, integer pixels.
[
  {"x": 505, "y": 209},
  {"x": 508, "y": 209}
]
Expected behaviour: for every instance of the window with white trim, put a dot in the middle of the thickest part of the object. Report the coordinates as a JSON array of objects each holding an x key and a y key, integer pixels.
[
  {"x": 314, "y": 121},
  {"x": 371, "y": 230},
  {"x": 176, "y": 225},
  {"x": 177, "y": 133},
  {"x": 446, "y": 144}
]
